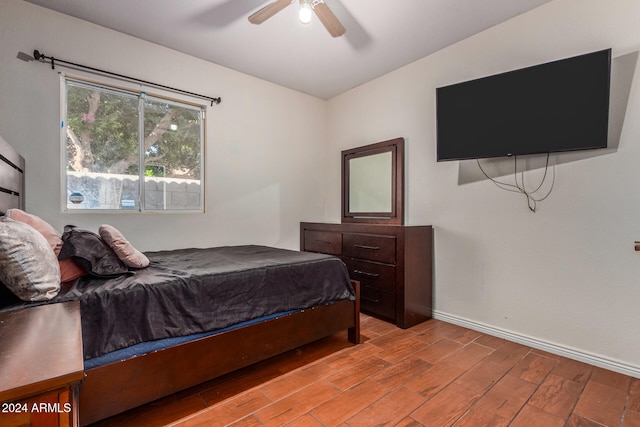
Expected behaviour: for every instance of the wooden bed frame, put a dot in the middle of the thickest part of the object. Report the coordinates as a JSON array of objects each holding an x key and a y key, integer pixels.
[
  {"x": 116, "y": 387},
  {"x": 11, "y": 178}
]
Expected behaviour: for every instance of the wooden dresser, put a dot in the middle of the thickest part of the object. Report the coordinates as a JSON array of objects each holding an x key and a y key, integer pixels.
[
  {"x": 40, "y": 365},
  {"x": 392, "y": 262}
]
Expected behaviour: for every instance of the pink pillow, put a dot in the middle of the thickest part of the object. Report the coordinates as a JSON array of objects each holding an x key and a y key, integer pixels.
[
  {"x": 129, "y": 255},
  {"x": 50, "y": 234}
]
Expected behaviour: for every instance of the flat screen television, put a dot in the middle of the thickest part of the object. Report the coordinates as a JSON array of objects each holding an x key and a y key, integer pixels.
[{"x": 557, "y": 106}]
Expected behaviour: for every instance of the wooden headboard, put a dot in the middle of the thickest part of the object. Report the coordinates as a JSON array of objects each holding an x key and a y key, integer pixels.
[{"x": 11, "y": 178}]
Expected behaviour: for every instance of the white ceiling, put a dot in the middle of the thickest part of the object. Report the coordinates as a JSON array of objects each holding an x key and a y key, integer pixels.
[{"x": 382, "y": 35}]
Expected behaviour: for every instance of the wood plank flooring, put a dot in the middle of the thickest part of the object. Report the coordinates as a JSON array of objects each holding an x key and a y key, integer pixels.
[{"x": 434, "y": 374}]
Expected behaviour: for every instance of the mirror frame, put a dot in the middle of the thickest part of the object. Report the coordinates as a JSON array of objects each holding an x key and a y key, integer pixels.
[{"x": 396, "y": 216}]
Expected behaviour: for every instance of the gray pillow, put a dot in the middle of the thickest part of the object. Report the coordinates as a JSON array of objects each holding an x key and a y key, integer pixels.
[
  {"x": 91, "y": 253},
  {"x": 28, "y": 266}
]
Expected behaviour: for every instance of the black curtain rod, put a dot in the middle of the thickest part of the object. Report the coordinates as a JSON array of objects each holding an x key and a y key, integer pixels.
[{"x": 40, "y": 57}]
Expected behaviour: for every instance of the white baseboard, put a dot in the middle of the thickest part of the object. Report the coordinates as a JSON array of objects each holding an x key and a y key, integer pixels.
[{"x": 592, "y": 359}]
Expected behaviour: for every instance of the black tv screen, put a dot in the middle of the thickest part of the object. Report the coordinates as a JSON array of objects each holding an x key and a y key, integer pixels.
[{"x": 557, "y": 106}]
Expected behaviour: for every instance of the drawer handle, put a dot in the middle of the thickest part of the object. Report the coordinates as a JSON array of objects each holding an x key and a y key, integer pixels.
[
  {"x": 375, "y": 301},
  {"x": 371, "y": 248},
  {"x": 366, "y": 273}
]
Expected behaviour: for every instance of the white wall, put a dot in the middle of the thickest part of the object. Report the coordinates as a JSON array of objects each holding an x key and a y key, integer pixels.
[
  {"x": 566, "y": 275},
  {"x": 265, "y": 144}
]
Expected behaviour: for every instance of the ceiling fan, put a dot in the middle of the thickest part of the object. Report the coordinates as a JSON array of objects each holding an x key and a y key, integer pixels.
[{"x": 307, "y": 7}]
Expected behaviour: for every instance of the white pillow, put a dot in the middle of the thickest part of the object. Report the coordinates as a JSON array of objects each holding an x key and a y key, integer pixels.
[{"x": 28, "y": 266}]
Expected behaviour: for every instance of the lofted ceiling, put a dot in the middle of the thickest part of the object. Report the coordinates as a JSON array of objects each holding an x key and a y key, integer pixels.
[{"x": 381, "y": 35}]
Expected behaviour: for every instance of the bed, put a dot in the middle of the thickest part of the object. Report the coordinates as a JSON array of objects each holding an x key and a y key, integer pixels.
[{"x": 140, "y": 352}]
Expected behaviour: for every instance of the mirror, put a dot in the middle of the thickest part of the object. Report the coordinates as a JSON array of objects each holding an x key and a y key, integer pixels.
[{"x": 372, "y": 183}]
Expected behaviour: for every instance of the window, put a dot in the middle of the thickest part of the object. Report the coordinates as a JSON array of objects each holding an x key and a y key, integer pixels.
[{"x": 127, "y": 150}]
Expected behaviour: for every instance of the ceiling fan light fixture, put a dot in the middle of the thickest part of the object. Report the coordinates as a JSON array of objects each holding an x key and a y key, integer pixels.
[
  {"x": 306, "y": 12},
  {"x": 307, "y": 9}
]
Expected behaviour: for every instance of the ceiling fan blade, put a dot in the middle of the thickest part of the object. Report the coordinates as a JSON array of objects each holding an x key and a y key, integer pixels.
[
  {"x": 328, "y": 19},
  {"x": 268, "y": 11}
]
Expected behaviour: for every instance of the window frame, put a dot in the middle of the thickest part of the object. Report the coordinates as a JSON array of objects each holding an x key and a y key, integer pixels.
[{"x": 142, "y": 96}]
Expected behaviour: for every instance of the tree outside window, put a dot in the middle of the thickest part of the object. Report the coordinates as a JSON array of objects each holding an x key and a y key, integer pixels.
[{"x": 131, "y": 151}]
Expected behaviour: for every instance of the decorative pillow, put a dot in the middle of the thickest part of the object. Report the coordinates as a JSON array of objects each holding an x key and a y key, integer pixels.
[
  {"x": 49, "y": 233},
  {"x": 70, "y": 270},
  {"x": 91, "y": 253},
  {"x": 121, "y": 246},
  {"x": 28, "y": 266}
]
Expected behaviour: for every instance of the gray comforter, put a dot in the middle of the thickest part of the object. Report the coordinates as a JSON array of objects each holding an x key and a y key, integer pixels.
[{"x": 189, "y": 291}]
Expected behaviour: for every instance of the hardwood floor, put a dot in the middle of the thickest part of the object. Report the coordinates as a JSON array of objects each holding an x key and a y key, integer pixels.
[{"x": 434, "y": 374}]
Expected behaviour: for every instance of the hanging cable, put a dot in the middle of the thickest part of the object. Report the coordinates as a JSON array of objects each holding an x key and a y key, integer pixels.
[
  {"x": 40, "y": 57},
  {"x": 532, "y": 202}
]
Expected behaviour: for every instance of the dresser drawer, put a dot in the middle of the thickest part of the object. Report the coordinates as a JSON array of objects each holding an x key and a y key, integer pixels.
[
  {"x": 370, "y": 247},
  {"x": 326, "y": 242},
  {"x": 378, "y": 302},
  {"x": 372, "y": 274}
]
